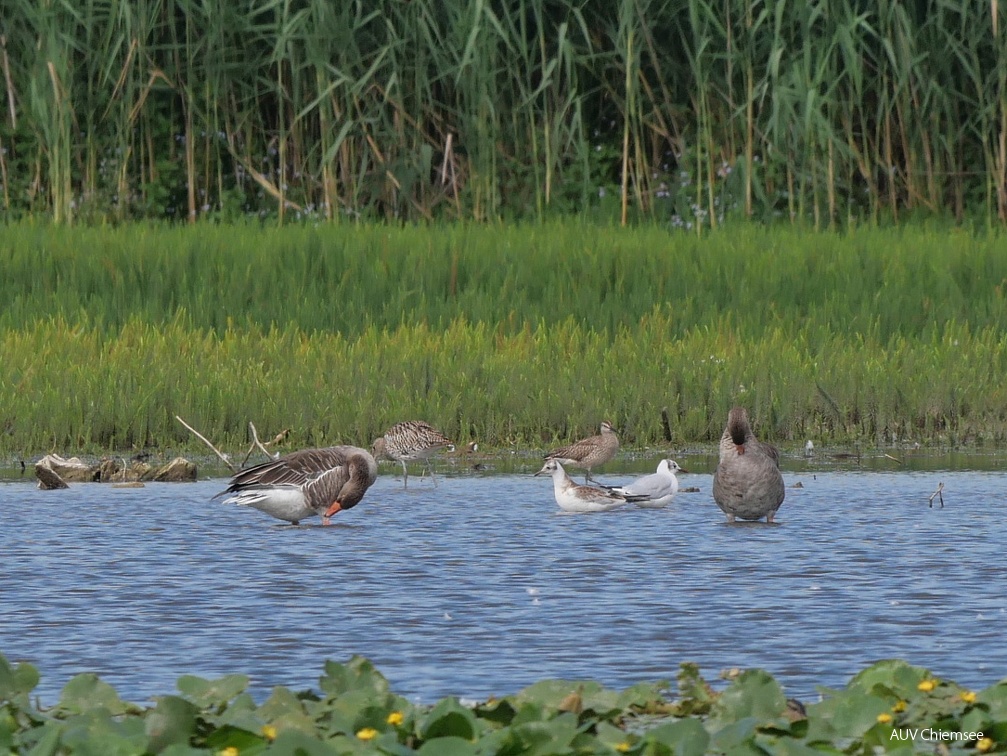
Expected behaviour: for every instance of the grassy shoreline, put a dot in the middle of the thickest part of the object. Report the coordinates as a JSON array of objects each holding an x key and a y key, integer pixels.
[
  {"x": 520, "y": 336},
  {"x": 74, "y": 390}
]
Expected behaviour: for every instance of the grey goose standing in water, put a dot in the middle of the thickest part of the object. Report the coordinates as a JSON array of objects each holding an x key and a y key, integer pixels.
[
  {"x": 588, "y": 452},
  {"x": 305, "y": 483},
  {"x": 747, "y": 483}
]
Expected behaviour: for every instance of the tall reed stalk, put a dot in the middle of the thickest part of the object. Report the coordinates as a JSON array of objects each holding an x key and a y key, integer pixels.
[{"x": 691, "y": 111}]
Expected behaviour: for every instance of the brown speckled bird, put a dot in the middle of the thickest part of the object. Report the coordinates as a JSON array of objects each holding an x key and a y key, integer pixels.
[
  {"x": 411, "y": 440},
  {"x": 589, "y": 452}
]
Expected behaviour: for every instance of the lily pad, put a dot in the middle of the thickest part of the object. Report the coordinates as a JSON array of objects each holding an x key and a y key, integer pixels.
[
  {"x": 449, "y": 718},
  {"x": 172, "y": 720},
  {"x": 16, "y": 681},
  {"x": 894, "y": 675},
  {"x": 686, "y": 737},
  {"x": 554, "y": 736},
  {"x": 212, "y": 694},
  {"x": 848, "y": 714},
  {"x": 293, "y": 743},
  {"x": 85, "y": 692},
  {"x": 448, "y": 746},
  {"x": 754, "y": 694},
  {"x": 96, "y": 733},
  {"x": 575, "y": 696},
  {"x": 357, "y": 674}
]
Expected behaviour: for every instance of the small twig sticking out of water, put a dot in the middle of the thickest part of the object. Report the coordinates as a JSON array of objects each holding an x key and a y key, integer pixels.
[
  {"x": 894, "y": 459},
  {"x": 278, "y": 437},
  {"x": 203, "y": 438},
  {"x": 255, "y": 439},
  {"x": 938, "y": 494}
]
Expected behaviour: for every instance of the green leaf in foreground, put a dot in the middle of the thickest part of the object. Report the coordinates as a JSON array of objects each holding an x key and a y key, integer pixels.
[
  {"x": 753, "y": 694},
  {"x": 361, "y": 716},
  {"x": 448, "y": 746},
  {"x": 171, "y": 721},
  {"x": 357, "y": 674},
  {"x": 17, "y": 681},
  {"x": 448, "y": 717},
  {"x": 85, "y": 692},
  {"x": 212, "y": 693},
  {"x": 686, "y": 737},
  {"x": 96, "y": 733}
]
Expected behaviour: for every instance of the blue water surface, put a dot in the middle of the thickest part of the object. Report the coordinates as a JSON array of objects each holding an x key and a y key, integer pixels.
[{"x": 479, "y": 586}]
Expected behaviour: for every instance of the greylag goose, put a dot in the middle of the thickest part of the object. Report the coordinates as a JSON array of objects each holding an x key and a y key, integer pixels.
[
  {"x": 305, "y": 483},
  {"x": 411, "y": 440},
  {"x": 747, "y": 483},
  {"x": 589, "y": 452},
  {"x": 574, "y": 498}
]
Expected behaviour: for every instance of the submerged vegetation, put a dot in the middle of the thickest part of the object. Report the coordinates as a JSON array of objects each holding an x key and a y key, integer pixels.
[
  {"x": 891, "y": 706},
  {"x": 519, "y": 335}
]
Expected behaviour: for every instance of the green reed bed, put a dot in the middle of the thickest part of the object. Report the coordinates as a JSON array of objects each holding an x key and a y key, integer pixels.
[
  {"x": 68, "y": 388},
  {"x": 686, "y": 110}
]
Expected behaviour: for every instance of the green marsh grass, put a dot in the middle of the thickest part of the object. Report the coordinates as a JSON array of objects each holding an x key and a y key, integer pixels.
[
  {"x": 879, "y": 283},
  {"x": 69, "y": 388},
  {"x": 513, "y": 336}
]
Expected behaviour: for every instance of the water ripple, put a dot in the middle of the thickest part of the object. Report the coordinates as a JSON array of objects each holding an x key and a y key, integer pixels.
[{"x": 479, "y": 587}]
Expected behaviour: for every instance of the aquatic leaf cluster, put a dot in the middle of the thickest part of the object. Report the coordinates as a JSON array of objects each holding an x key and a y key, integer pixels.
[
  {"x": 519, "y": 336},
  {"x": 890, "y": 707}
]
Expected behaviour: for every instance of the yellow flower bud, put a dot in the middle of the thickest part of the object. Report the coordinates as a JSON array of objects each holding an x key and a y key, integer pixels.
[
  {"x": 269, "y": 732},
  {"x": 884, "y": 718},
  {"x": 984, "y": 744},
  {"x": 395, "y": 718},
  {"x": 967, "y": 696},
  {"x": 899, "y": 706},
  {"x": 926, "y": 686},
  {"x": 368, "y": 733}
]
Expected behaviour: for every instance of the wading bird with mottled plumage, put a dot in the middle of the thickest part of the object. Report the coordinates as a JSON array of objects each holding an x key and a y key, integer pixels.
[
  {"x": 589, "y": 452},
  {"x": 305, "y": 483},
  {"x": 411, "y": 440}
]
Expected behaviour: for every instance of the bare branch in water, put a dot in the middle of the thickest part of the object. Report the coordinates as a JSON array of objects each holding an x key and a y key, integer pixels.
[{"x": 203, "y": 438}]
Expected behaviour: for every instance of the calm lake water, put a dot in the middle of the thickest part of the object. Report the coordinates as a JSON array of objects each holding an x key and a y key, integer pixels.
[{"x": 480, "y": 587}]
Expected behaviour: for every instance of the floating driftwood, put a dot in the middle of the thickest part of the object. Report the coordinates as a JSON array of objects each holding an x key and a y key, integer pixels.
[{"x": 55, "y": 472}]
